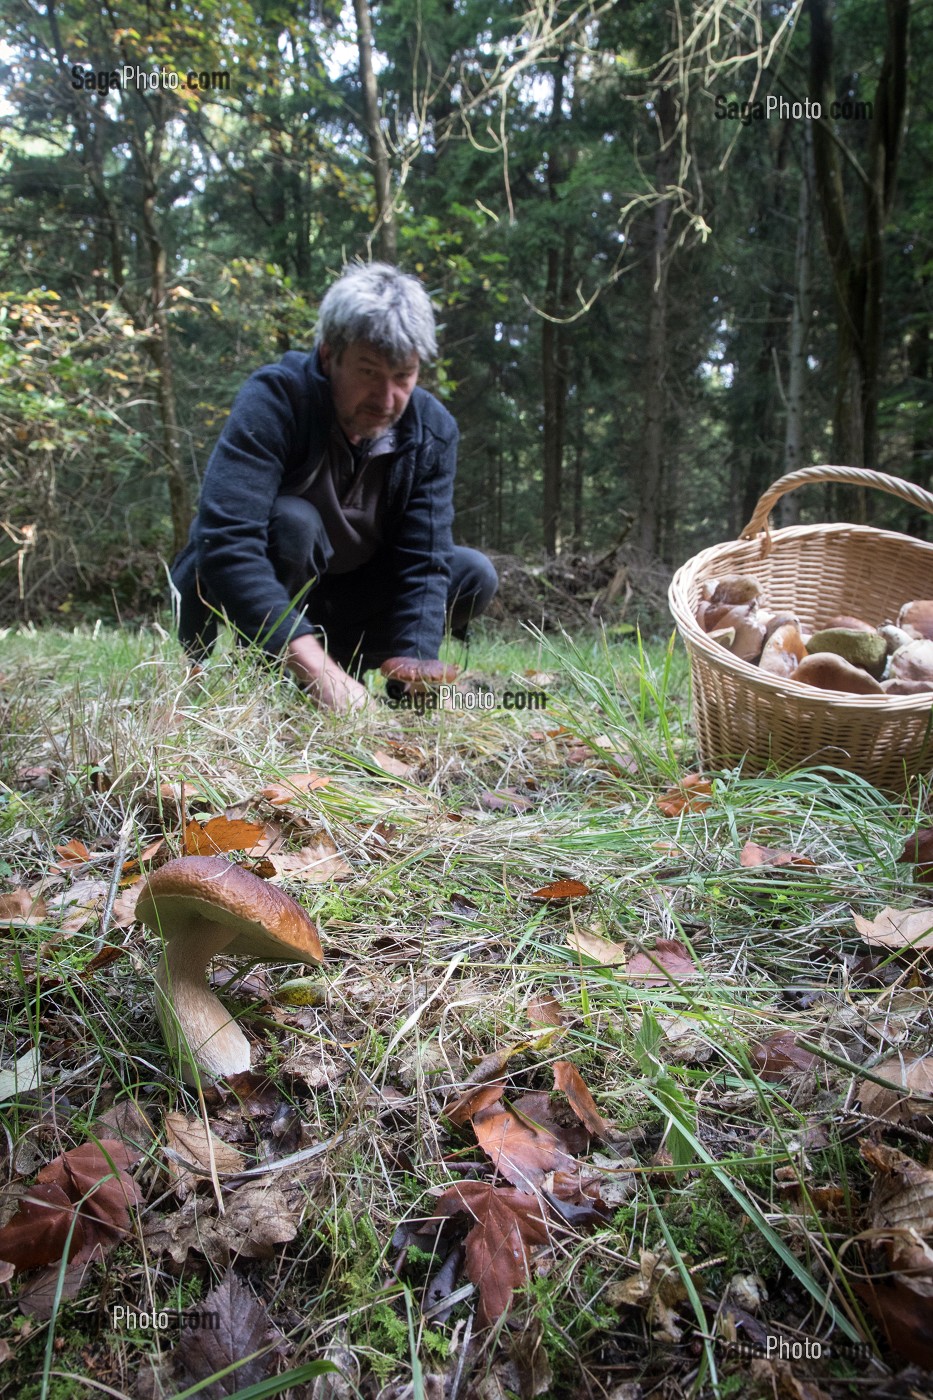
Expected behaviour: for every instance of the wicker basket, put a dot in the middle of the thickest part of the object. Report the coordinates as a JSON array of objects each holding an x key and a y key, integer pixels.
[{"x": 816, "y": 572}]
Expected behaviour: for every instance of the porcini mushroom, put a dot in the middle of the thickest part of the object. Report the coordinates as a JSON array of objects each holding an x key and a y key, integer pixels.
[
  {"x": 412, "y": 675},
  {"x": 828, "y": 671},
  {"x": 201, "y": 905}
]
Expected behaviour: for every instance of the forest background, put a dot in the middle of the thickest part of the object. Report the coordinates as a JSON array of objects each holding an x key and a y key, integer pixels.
[{"x": 661, "y": 284}]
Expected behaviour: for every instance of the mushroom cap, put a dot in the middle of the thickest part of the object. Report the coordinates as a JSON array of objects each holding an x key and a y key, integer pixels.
[
  {"x": 828, "y": 671},
  {"x": 916, "y": 618},
  {"x": 266, "y": 922},
  {"x": 413, "y": 668}
]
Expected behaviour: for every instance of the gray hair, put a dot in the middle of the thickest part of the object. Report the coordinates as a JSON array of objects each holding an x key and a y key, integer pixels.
[{"x": 378, "y": 303}]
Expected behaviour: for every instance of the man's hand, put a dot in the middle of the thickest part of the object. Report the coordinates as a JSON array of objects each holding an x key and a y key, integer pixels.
[{"x": 327, "y": 682}]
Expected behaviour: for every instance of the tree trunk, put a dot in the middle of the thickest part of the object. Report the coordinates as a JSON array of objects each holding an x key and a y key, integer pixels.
[
  {"x": 385, "y": 230},
  {"x": 159, "y": 344},
  {"x": 858, "y": 275},
  {"x": 555, "y": 347},
  {"x": 788, "y": 510},
  {"x": 649, "y": 475}
]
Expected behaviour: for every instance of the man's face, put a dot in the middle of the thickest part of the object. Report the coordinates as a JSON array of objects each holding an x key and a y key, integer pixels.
[{"x": 369, "y": 393}]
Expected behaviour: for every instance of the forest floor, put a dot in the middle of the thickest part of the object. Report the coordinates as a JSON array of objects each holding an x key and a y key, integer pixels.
[{"x": 591, "y": 1097}]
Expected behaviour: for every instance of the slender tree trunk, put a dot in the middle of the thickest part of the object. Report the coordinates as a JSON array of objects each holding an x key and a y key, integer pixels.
[
  {"x": 554, "y": 335},
  {"x": 159, "y": 344},
  {"x": 788, "y": 512},
  {"x": 385, "y": 220},
  {"x": 858, "y": 274},
  {"x": 650, "y": 474}
]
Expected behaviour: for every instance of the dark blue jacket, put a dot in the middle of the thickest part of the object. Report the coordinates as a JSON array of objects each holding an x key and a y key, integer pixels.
[{"x": 272, "y": 445}]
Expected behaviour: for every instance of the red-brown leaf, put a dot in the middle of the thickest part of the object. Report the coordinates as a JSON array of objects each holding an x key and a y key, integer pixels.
[
  {"x": 293, "y": 787},
  {"x": 561, "y": 891},
  {"x": 667, "y": 961},
  {"x": 73, "y": 852},
  {"x": 692, "y": 794},
  {"x": 87, "y": 1177},
  {"x": 505, "y": 800},
  {"x": 779, "y": 1055},
  {"x": 753, "y": 855},
  {"x": 498, "y": 1260},
  {"x": 568, "y": 1079},
  {"x": 544, "y": 1011},
  {"x": 220, "y": 834},
  {"x": 36, "y": 1235},
  {"x": 522, "y": 1152}
]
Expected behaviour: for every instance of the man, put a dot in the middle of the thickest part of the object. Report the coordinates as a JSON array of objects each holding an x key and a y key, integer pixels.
[{"x": 323, "y": 528}]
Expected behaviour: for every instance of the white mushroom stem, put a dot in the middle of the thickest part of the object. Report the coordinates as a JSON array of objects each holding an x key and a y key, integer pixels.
[{"x": 197, "y": 1027}]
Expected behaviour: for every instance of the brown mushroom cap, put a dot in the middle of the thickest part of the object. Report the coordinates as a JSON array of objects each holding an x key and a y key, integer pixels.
[
  {"x": 851, "y": 624},
  {"x": 831, "y": 672},
  {"x": 264, "y": 921},
  {"x": 413, "y": 669},
  {"x": 201, "y": 905},
  {"x": 916, "y": 618},
  {"x": 418, "y": 675}
]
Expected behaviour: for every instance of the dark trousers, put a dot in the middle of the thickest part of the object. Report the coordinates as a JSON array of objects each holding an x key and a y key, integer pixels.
[{"x": 352, "y": 609}]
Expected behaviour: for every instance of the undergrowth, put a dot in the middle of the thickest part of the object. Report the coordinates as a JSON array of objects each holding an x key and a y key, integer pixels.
[{"x": 434, "y": 951}]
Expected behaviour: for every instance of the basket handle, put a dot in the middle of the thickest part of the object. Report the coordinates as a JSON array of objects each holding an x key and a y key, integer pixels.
[{"x": 849, "y": 476}]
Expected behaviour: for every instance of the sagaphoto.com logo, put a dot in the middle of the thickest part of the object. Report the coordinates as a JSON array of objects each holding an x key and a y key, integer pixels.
[{"x": 102, "y": 81}]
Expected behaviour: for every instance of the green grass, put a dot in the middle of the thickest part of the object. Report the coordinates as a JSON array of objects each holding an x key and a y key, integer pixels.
[{"x": 421, "y": 985}]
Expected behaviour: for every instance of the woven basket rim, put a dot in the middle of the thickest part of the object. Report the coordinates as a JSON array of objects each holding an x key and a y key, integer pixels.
[{"x": 696, "y": 639}]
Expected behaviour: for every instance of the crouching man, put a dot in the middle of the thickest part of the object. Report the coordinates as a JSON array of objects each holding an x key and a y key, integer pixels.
[{"x": 324, "y": 525}]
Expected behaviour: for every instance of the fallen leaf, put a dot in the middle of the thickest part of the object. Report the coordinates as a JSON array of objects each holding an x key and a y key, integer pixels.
[
  {"x": 523, "y": 1152},
  {"x": 38, "y": 1232},
  {"x": 73, "y": 852},
  {"x": 258, "y": 1219},
  {"x": 316, "y": 862},
  {"x": 25, "y": 1075},
  {"x": 145, "y": 857},
  {"x": 592, "y": 945},
  {"x": 544, "y": 1011},
  {"x": 504, "y": 800},
  {"x": 658, "y": 1288},
  {"x": 898, "y": 928},
  {"x": 568, "y": 1080},
  {"x": 390, "y": 764},
  {"x": 753, "y": 855},
  {"x": 902, "y": 1208},
  {"x": 692, "y": 794},
  {"x": 778, "y": 1378},
  {"x": 187, "y": 787},
  {"x": 234, "y": 1324},
  {"x": 81, "y": 1187},
  {"x": 292, "y": 786},
  {"x": 667, "y": 961},
  {"x": 780, "y": 1054},
  {"x": 904, "y": 1315},
  {"x": 101, "y": 1192},
  {"x": 77, "y": 905},
  {"x": 220, "y": 834},
  {"x": 197, "y": 1144},
  {"x": 123, "y": 912},
  {"x": 555, "y": 1115},
  {"x": 912, "y": 1072},
  {"x": 561, "y": 891},
  {"x": 480, "y": 1097},
  {"x": 21, "y": 909},
  {"x": 494, "y": 1065},
  {"x": 498, "y": 1259}
]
